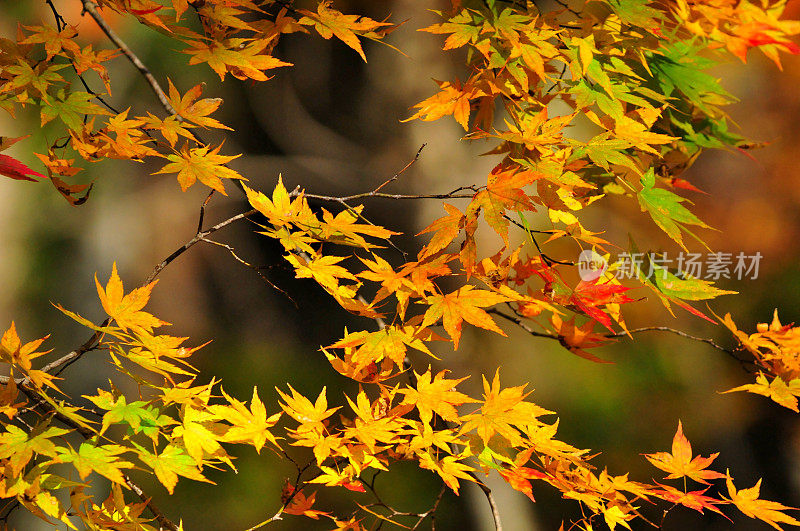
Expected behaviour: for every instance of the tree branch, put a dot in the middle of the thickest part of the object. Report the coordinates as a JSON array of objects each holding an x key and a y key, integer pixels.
[{"x": 89, "y": 6}]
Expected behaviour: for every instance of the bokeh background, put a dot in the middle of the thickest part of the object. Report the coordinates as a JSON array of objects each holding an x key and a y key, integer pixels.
[{"x": 331, "y": 124}]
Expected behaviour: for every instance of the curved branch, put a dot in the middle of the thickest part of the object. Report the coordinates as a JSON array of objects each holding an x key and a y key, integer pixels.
[{"x": 519, "y": 322}]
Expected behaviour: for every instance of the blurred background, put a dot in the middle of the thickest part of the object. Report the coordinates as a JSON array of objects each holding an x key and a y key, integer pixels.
[{"x": 331, "y": 124}]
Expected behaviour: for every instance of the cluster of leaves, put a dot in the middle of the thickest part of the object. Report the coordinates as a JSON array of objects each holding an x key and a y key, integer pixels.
[
  {"x": 775, "y": 355},
  {"x": 33, "y": 67},
  {"x": 633, "y": 71}
]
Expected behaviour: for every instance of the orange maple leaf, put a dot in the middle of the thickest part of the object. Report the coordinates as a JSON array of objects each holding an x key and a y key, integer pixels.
[
  {"x": 767, "y": 511},
  {"x": 694, "y": 499},
  {"x": 445, "y": 230},
  {"x": 300, "y": 505},
  {"x": 680, "y": 463},
  {"x": 504, "y": 412}
]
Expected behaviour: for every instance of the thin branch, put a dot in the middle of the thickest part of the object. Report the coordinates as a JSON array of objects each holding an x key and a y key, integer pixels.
[
  {"x": 89, "y": 6},
  {"x": 519, "y": 322},
  {"x": 398, "y": 174},
  {"x": 257, "y": 269},
  {"x": 198, "y": 237},
  {"x": 492, "y": 503},
  {"x": 163, "y": 521},
  {"x": 522, "y": 324},
  {"x": 90, "y": 344},
  {"x": 682, "y": 334},
  {"x": 366, "y": 195}
]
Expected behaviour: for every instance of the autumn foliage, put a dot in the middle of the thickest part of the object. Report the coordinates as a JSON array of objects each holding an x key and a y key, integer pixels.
[{"x": 636, "y": 70}]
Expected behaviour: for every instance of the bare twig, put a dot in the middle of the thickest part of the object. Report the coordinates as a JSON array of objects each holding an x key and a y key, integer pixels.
[
  {"x": 366, "y": 195},
  {"x": 521, "y": 323},
  {"x": 198, "y": 237},
  {"x": 492, "y": 503}
]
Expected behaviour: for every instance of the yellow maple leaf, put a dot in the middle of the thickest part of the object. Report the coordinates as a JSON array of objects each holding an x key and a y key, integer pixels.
[
  {"x": 767, "y": 511},
  {"x": 126, "y": 309}
]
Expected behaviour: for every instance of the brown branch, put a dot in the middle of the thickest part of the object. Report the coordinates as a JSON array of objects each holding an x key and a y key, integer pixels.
[
  {"x": 198, "y": 237},
  {"x": 163, "y": 521},
  {"x": 89, "y": 6},
  {"x": 522, "y": 324},
  {"x": 92, "y": 342},
  {"x": 492, "y": 503},
  {"x": 682, "y": 334},
  {"x": 519, "y": 322},
  {"x": 366, "y": 195}
]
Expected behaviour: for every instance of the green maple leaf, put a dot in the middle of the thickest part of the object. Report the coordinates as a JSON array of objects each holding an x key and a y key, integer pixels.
[
  {"x": 19, "y": 446},
  {"x": 103, "y": 460},
  {"x": 70, "y": 109},
  {"x": 666, "y": 209},
  {"x": 138, "y": 415},
  {"x": 689, "y": 289},
  {"x": 636, "y": 12},
  {"x": 170, "y": 464}
]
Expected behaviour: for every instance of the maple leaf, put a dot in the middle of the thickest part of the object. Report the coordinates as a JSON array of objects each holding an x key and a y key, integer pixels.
[
  {"x": 392, "y": 282},
  {"x": 577, "y": 338},
  {"x": 587, "y": 296},
  {"x": 201, "y": 436},
  {"x": 310, "y": 416},
  {"x": 390, "y": 342},
  {"x": 242, "y": 59},
  {"x": 777, "y": 390},
  {"x": 87, "y": 59},
  {"x": 126, "y": 309},
  {"x": 344, "y": 230},
  {"x": 518, "y": 477},
  {"x": 435, "y": 395},
  {"x": 452, "y": 99},
  {"x": 203, "y": 164},
  {"x": 11, "y": 167},
  {"x": 18, "y": 446},
  {"x": 330, "y": 22},
  {"x": 138, "y": 415},
  {"x": 103, "y": 460},
  {"x": 445, "y": 231},
  {"x": 249, "y": 426},
  {"x": 13, "y": 351},
  {"x": 767, "y": 511},
  {"x": 464, "y": 304},
  {"x": 502, "y": 411},
  {"x": 680, "y": 462},
  {"x": 54, "y": 41},
  {"x": 300, "y": 505},
  {"x": 70, "y": 109},
  {"x": 322, "y": 269},
  {"x": 194, "y": 109},
  {"x": 371, "y": 426},
  {"x": 449, "y": 468},
  {"x": 504, "y": 192},
  {"x": 694, "y": 499},
  {"x": 666, "y": 210},
  {"x": 463, "y": 28},
  {"x": 169, "y": 464}
]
